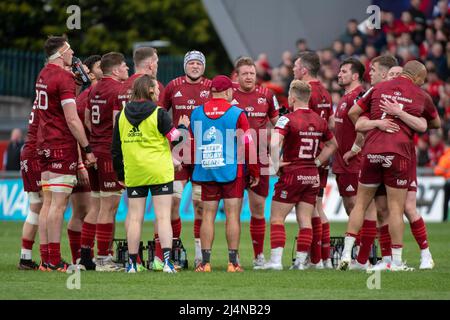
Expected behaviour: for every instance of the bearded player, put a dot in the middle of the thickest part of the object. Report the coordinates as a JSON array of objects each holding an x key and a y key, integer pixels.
[
  {"x": 182, "y": 95},
  {"x": 261, "y": 106},
  {"x": 306, "y": 68},
  {"x": 103, "y": 100},
  {"x": 60, "y": 130}
]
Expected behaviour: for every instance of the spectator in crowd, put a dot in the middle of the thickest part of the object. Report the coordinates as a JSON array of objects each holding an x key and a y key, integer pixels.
[
  {"x": 358, "y": 44},
  {"x": 286, "y": 76},
  {"x": 417, "y": 15},
  {"x": 376, "y": 37},
  {"x": 410, "y": 37},
  {"x": 387, "y": 22},
  {"x": 406, "y": 24},
  {"x": 447, "y": 54},
  {"x": 349, "y": 51},
  {"x": 351, "y": 31},
  {"x": 406, "y": 48},
  {"x": 438, "y": 25},
  {"x": 439, "y": 59},
  {"x": 442, "y": 11},
  {"x": 328, "y": 60},
  {"x": 11, "y": 161},
  {"x": 338, "y": 49},
  {"x": 335, "y": 98},
  {"x": 442, "y": 36},
  {"x": 434, "y": 84},
  {"x": 425, "y": 46},
  {"x": 279, "y": 79},
  {"x": 370, "y": 52},
  {"x": 263, "y": 68},
  {"x": 286, "y": 59},
  {"x": 391, "y": 43},
  {"x": 422, "y": 152},
  {"x": 301, "y": 45},
  {"x": 444, "y": 100},
  {"x": 436, "y": 149},
  {"x": 443, "y": 169}
]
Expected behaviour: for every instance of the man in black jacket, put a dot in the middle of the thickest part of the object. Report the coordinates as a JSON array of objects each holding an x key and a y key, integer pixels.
[{"x": 12, "y": 155}]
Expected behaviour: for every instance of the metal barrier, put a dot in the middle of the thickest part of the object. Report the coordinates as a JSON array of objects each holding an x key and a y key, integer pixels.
[{"x": 19, "y": 70}]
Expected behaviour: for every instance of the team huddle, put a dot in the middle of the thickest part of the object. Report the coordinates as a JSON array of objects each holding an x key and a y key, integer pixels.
[{"x": 131, "y": 133}]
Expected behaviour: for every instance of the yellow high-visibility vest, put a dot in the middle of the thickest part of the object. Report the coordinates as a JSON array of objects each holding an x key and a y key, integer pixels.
[{"x": 147, "y": 157}]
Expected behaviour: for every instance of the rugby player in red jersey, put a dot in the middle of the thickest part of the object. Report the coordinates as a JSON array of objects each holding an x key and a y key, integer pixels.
[
  {"x": 347, "y": 160},
  {"x": 417, "y": 224},
  {"x": 387, "y": 155},
  {"x": 81, "y": 195},
  {"x": 31, "y": 177},
  {"x": 182, "y": 95},
  {"x": 306, "y": 68},
  {"x": 60, "y": 129},
  {"x": 145, "y": 61},
  {"x": 394, "y": 72},
  {"x": 379, "y": 70},
  {"x": 299, "y": 133},
  {"x": 103, "y": 100},
  {"x": 385, "y": 68},
  {"x": 261, "y": 107}
]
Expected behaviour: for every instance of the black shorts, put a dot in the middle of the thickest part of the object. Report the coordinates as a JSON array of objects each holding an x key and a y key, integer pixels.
[{"x": 156, "y": 190}]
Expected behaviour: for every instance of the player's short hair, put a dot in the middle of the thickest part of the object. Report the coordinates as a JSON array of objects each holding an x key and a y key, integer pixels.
[
  {"x": 386, "y": 61},
  {"x": 53, "y": 44},
  {"x": 141, "y": 88},
  {"x": 91, "y": 60},
  {"x": 301, "y": 90},
  {"x": 111, "y": 60},
  {"x": 243, "y": 61},
  {"x": 310, "y": 60},
  {"x": 355, "y": 66},
  {"x": 143, "y": 53}
]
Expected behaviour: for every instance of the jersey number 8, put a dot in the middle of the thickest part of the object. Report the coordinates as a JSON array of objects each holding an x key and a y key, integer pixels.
[{"x": 95, "y": 114}]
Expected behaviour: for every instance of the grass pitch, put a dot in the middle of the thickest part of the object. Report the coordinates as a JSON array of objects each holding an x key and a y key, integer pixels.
[{"x": 253, "y": 285}]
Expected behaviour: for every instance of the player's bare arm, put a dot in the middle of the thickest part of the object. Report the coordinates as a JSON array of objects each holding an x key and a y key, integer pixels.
[
  {"x": 356, "y": 148},
  {"x": 250, "y": 150},
  {"x": 331, "y": 123},
  {"x": 115, "y": 113},
  {"x": 328, "y": 150},
  {"x": 395, "y": 109},
  {"x": 354, "y": 113},
  {"x": 77, "y": 129},
  {"x": 275, "y": 157},
  {"x": 364, "y": 124},
  {"x": 87, "y": 119},
  {"x": 82, "y": 174}
]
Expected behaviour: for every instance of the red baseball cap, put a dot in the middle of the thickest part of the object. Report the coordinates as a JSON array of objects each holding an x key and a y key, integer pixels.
[{"x": 221, "y": 83}]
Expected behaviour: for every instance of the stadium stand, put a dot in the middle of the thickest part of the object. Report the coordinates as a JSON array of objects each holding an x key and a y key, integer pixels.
[{"x": 417, "y": 33}]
